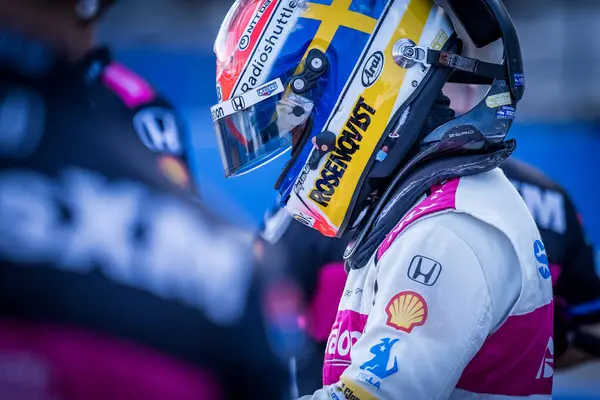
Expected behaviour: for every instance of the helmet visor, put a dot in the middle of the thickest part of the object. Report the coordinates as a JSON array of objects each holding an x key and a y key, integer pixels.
[{"x": 258, "y": 126}]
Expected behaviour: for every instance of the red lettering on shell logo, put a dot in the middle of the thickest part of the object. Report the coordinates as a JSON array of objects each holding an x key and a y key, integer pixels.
[{"x": 346, "y": 331}]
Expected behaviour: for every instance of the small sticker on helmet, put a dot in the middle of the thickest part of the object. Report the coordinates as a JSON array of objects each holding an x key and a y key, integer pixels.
[
  {"x": 519, "y": 79},
  {"x": 382, "y": 153},
  {"x": 498, "y": 100},
  {"x": 440, "y": 40},
  {"x": 505, "y": 112},
  {"x": 304, "y": 219}
]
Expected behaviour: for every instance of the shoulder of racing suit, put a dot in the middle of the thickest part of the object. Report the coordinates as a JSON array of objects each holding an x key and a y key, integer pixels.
[
  {"x": 443, "y": 279},
  {"x": 570, "y": 254}
]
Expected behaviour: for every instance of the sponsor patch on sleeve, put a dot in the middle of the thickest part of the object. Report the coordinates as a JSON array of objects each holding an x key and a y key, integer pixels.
[
  {"x": 424, "y": 270},
  {"x": 406, "y": 310},
  {"x": 354, "y": 391},
  {"x": 382, "y": 364},
  {"x": 333, "y": 395}
]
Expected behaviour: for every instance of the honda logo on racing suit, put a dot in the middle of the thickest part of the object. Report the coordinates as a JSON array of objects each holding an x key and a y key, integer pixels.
[
  {"x": 424, "y": 270},
  {"x": 238, "y": 103}
]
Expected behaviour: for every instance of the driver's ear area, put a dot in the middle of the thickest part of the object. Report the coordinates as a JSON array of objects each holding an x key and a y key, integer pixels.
[{"x": 440, "y": 113}]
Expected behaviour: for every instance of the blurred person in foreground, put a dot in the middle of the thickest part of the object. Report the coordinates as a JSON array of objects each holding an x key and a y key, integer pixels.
[
  {"x": 448, "y": 292},
  {"x": 114, "y": 282}
]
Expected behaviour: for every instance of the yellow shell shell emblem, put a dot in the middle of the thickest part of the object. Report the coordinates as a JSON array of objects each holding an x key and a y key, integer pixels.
[{"x": 406, "y": 310}]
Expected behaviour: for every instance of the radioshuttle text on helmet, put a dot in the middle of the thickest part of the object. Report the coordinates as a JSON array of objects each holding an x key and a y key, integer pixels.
[
  {"x": 348, "y": 143},
  {"x": 269, "y": 42}
]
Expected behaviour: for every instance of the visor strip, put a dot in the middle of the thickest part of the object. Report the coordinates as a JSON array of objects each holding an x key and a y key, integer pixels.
[{"x": 246, "y": 100}]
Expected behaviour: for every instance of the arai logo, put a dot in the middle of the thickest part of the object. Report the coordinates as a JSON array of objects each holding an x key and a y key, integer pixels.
[{"x": 372, "y": 69}]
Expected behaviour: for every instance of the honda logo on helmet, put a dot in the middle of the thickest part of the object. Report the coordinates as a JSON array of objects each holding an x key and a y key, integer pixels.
[
  {"x": 372, "y": 69},
  {"x": 238, "y": 103}
]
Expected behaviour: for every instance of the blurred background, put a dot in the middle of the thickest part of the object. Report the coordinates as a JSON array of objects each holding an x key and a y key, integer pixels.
[{"x": 557, "y": 129}]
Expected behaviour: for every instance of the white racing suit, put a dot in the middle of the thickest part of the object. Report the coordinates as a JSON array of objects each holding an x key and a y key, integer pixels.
[{"x": 456, "y": 303}]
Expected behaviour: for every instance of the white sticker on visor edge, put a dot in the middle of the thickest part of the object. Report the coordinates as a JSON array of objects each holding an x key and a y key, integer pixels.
[{"x": 246, "y": 100}]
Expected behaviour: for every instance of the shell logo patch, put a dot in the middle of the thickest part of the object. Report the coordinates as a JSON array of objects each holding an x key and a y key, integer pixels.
[{"x": 406, "y": 310}]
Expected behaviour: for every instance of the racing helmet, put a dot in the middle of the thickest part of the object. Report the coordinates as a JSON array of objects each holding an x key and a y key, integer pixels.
[{"x": 347, "y": 86}]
